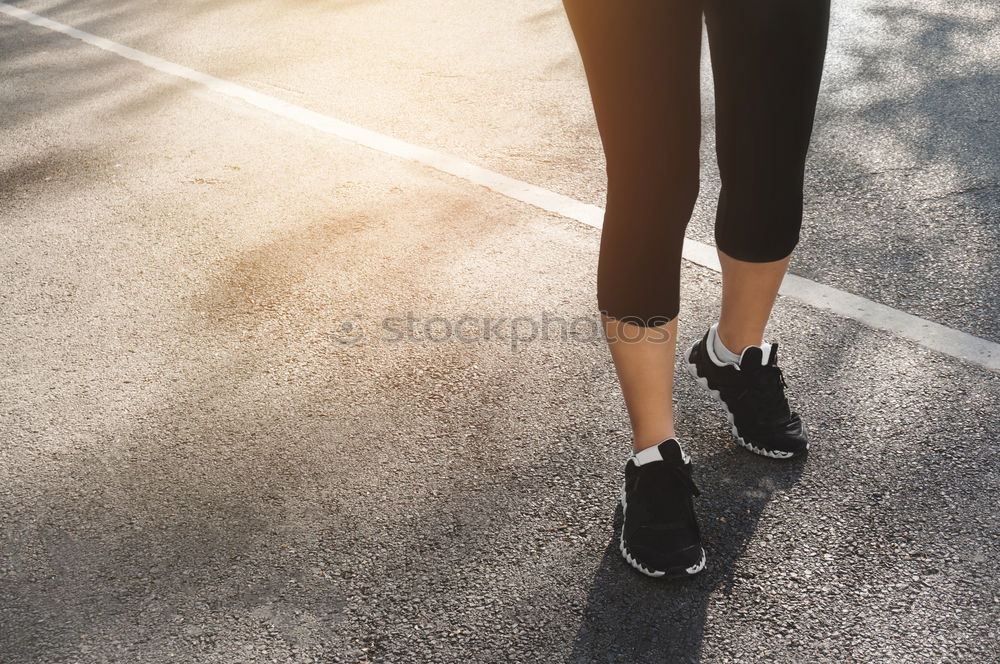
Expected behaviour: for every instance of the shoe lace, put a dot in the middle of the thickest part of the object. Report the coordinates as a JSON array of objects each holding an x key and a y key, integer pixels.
[
  {"x": 685, "y": 479},
  {"x": 764, "y": 394},
  {"x": 672, "y": 480}
]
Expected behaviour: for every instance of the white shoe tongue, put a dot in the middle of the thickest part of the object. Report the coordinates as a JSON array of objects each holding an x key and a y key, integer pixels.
[{"x": 765, "y": 349}]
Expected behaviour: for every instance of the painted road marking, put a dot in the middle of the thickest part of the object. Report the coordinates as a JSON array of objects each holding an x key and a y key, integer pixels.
[{"x": 927, "y": 333}]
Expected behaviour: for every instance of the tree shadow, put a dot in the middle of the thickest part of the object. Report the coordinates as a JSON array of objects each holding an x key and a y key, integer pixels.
[
  {"x": 906, "y": 154},
  {"x": 903, "y": 160}
]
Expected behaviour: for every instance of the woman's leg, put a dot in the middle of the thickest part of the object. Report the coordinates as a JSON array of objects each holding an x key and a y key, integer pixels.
[
  {"x": 642, "y": 63},
  {"x": 767, "y": 61},
  {"x": 748, "y": 293},
  {"x": 644, "y": 360}
]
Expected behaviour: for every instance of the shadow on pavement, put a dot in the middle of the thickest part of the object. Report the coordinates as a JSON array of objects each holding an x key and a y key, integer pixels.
[{"x": 631, "y": 618}]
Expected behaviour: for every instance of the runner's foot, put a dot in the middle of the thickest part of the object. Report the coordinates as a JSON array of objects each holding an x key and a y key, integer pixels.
[
  {"x": 753, "y": 396},
  {"x": 660, "y": 535}
]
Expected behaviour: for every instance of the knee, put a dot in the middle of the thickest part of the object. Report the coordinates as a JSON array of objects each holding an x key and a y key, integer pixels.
[
  {"x": 638, "y": 274},
  {"x": 648, "y": 209},
  {"x": 760, "y": 226}
]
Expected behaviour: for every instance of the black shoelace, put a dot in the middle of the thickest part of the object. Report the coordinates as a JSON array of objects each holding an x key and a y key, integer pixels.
[
  {"x": 764, "y": 395},
  {"x": 666, "y": 513},
  {"x": 685, "y": 479}
]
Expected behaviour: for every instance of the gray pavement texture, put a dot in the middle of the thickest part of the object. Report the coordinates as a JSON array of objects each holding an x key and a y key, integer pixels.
[{"x": 201, "y": 461}]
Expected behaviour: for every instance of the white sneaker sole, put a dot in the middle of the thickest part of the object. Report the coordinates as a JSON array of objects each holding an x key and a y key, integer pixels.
[{"x": 692, "y": 369}]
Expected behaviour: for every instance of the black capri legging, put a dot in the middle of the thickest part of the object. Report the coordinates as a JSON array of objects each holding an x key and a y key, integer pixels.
[{"x": 642, "y": 60}]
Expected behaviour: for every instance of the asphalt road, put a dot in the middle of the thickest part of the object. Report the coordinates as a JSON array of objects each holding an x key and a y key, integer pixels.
[{"x": 220, "y": 442}]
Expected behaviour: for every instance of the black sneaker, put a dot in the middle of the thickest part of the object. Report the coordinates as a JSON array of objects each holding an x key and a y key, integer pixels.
[
  {"x": 753, "y": 396},
  {"x": 660, "y": 535}
]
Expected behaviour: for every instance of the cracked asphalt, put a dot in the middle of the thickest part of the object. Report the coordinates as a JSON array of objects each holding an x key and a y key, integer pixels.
[{"x": 221, "y": 442}]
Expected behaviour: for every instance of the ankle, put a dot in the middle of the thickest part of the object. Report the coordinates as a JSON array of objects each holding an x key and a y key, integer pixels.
[
  {"x": 736, "y": 341},
  {"x": 719, "y": 351},
  {"x": 646, "y": 441}
]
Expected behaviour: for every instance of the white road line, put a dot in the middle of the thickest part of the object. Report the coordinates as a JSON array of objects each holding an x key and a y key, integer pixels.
[{"x": 924, "y": 332}]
